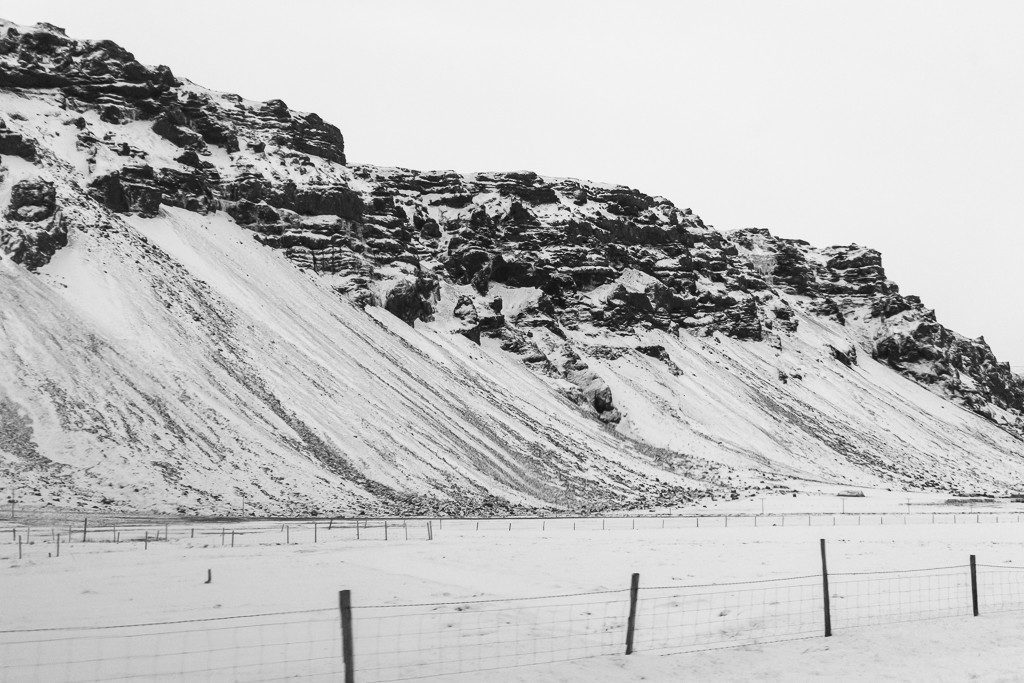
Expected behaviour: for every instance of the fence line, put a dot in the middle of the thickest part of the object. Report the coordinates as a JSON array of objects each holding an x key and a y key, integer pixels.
[
  {"x": 416, "y": 640},
  {"x": 26, "y": 537}
]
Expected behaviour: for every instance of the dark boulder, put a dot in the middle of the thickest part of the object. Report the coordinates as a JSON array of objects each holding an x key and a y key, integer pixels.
[
  {"x": 406, "y": 299},
  {"x": 172, "y": 125},
  {"x": 130, "y": 190},
  {"x": 32, "y": 201},
  {"x": 15, "y": 144}
]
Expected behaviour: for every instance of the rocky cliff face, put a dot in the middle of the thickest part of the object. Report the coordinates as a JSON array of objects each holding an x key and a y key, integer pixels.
[{"x": 559, "y": 274}]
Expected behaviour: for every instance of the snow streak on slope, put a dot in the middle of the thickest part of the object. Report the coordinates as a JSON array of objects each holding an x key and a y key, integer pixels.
[
  {"x": 224, "y": 370},
  {"x": 794, "y": 408}
]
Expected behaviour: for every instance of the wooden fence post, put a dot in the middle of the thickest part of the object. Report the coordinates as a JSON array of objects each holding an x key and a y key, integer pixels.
[
  {"x": 345, "y": 607},
  {"x": 634, "y": 590},
  {"x": 974, "y": 586},
  {"x": 824, "y": 585}
]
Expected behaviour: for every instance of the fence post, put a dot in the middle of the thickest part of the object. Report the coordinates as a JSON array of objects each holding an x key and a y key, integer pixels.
[
  {"x": 634, "y": 590},
  {"x": 824, "y": 585},
  {"x": 974, "y": 586},
  {"x": 345, "y": 607}
]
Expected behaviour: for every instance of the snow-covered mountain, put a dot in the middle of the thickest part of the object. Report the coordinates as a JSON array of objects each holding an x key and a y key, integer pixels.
[{"x": 202, "y": 301}]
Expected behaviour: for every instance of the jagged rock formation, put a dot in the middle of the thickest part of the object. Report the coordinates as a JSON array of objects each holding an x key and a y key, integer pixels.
[
  {"x": 849, "y": 283},
  {"x": 573, "y": 280}
]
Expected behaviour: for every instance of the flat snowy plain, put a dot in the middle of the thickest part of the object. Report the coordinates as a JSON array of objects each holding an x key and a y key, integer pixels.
[{"x": 731, "y": 630}]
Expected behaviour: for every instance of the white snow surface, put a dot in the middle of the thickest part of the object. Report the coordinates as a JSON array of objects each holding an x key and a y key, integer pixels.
[{"x": 919, "y": 625}]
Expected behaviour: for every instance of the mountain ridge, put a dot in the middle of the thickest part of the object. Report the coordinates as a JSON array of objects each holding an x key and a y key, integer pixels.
[{"x": 625, "y": 308}]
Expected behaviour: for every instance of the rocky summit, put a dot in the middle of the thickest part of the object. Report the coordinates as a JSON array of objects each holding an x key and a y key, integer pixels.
[{"x": 204, "y": 299}]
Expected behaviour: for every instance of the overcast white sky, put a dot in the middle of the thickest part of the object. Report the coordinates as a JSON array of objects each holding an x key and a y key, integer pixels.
[{"x": 898, "y": 125}]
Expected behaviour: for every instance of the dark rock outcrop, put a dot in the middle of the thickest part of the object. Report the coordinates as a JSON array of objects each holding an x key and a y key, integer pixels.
[{"x": 33, "y": 228}]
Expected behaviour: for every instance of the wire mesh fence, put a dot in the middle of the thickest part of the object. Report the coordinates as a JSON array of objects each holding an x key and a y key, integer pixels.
[
  {"x": 475, "y": 636},
  {"x": 1000, "y": 588},
  {"x": 889, "y": 597},
  {"x": 251, "y": 647},
  {"x": 690, "y": 618},
  {"x": 422, "y": 641}
]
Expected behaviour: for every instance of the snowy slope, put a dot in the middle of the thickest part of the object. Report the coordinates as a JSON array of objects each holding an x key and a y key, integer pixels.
[
  {"x": 202, "y": 365},
  {"x": 238, "y": 315}
]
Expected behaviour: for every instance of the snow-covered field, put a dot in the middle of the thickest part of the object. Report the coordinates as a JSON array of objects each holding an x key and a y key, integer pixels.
[{"x": 461, "y": 590}]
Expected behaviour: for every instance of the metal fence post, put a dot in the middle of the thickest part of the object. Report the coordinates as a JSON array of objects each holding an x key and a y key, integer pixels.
[
  {"x": 974, "y": 586},
  {"x": 345, "y": 607},
  {"x": 634, "y": 590},
  {"x": 824, "y": 585}
]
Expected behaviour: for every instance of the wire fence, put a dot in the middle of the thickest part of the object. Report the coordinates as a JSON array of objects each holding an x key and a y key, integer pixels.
[
  {"x": 424, "y": 641},
  {"x": 250, "y": 647},
  {"x": 392, "y": 642},
  {"x": 32, "y": 531},
  {"x": 46, "y": 540}
]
